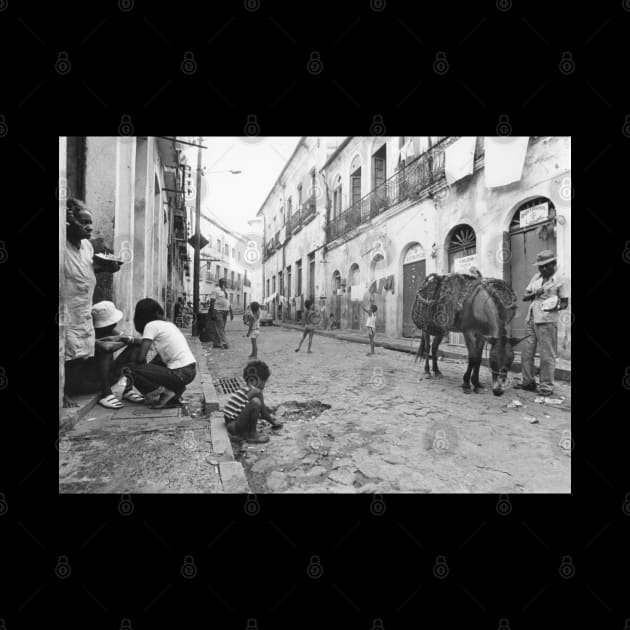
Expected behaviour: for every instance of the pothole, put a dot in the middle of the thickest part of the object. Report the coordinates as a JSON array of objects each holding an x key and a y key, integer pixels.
[
  {"x": 296, "y": 410},
  {"x": 298, "y": 441}
]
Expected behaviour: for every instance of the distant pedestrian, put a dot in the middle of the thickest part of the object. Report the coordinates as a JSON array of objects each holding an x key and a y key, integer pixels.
[
  {"x": 370, "y": 325},
  {"x": 253, "y": 322},
  {"x": 333, "y": 322},
  {"x": 548, "y": 292},
  {"x": 219, "y": 308},
  {"x": 242, "y": 411},
  {"x": 311, "y": 319},
  {"x": 178, "y": 312}
]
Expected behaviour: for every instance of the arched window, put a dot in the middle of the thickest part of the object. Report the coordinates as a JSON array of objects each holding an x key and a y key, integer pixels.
[
  {"x": 355, "y": 181},
  {"x": 462, "y": 249},
  {"x": 337, "y": 190},
  {"x": 462, "y": 238},
  {"x": 353, "y": 275},
  {"x": 336, "y": 281}
]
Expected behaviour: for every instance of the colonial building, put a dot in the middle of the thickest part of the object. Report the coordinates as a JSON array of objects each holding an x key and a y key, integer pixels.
[
  {"x": 394, "y": 209},
  {"x": 294, "y": 216},
  {"x": 226, "y": 255},
  {"x": 134, "y": 190}
]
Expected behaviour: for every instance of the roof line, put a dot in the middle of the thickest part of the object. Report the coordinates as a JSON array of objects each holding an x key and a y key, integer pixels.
[
  {"x": 299, "y": 144},
  {"x": 223, "y": 227},
  {"x": 336, "y": 152}
]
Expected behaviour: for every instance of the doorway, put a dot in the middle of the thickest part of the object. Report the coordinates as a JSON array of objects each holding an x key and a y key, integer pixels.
[
  {"x": 414, "y": 273},
  {"x": 532, "y": 230},
  {"x": 462, "y": 254}
]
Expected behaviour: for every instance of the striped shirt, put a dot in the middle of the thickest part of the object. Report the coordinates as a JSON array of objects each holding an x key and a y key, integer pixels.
[{"x": 236, "y": 404}]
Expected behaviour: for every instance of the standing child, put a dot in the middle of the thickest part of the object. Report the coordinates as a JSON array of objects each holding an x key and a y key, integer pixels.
[
  {"x": 370, "y": 325},
  {"x": 253, "y": 320},
  {"x": 242, "y": 411},
  {"x": 311, "y": 318}
]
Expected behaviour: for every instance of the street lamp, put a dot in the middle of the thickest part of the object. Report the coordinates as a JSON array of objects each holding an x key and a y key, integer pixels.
[{"x": 196, "y": 272}]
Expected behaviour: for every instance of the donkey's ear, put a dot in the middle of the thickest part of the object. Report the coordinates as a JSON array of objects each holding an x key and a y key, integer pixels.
[{"x": 514, "y": 341}]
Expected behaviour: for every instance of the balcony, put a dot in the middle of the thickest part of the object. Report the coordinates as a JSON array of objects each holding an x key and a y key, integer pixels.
[
  {"x": 309, "y": 210},
  {"x": 419, "y": 178},
  {"x": 295, "y": 222}
]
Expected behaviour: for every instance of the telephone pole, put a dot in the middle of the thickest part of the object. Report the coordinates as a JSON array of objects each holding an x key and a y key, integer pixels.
[{"x": 195, "y": 327}]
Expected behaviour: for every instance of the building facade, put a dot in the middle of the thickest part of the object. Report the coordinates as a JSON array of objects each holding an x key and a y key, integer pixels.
[
  {"x": 134, "y": 189},
  {"x": 294, "y": 215},
  {"x": 226, "y": 256},
  {"x": 388, "y": 217}
]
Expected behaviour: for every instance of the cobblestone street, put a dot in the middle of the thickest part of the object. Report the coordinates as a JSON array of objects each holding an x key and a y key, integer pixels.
[{"x": 357, "y": 423}]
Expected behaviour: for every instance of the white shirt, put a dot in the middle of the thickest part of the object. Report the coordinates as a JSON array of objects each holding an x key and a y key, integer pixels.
[
  {"x": 557, "y": 285},
  {"x": 371, "y": 321},
  {"x": 221, "y": 302},
  {"x": 169, "y": 343}
]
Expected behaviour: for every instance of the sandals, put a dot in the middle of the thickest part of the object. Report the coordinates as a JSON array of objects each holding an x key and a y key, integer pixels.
[
  {"x": 110, "y": 402},
  {"x": 133, "y": 397}
]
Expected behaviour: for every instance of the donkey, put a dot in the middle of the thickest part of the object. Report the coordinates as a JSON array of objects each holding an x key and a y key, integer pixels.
[{"x": 482, "y": 318}]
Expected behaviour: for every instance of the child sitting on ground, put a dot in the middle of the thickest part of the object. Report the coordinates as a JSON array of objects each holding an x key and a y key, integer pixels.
[
  {"x": 242, "y": 411},
  {"x": 252, "y": 319},
  {"x": 333, "y": 322},
  {"x": 370, "y": 325}
]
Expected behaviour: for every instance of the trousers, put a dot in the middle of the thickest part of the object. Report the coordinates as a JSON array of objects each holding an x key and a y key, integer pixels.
[{"x": 543, "y": 337}]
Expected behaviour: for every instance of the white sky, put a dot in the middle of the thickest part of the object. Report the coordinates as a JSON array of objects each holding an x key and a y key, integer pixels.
[{"x": 235, "y": 199}]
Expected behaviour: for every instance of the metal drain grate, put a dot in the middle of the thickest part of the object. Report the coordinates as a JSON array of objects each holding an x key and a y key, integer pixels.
[{"x": 229, "y": 385}]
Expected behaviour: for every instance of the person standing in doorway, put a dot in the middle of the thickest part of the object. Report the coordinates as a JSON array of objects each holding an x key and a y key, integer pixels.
[
  {"x": 80, "y": 268},
  {"x": 548, "y": 292},
  {"x": 219, "y": 308}
]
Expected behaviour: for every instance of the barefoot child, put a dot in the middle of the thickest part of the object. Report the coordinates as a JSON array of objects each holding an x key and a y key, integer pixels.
[
  {"x": 163, "y": 380},
  {"x": 253, "y": 320},
  {"x": 370, "y": 325},
  {"x": 242, "y": 411},
  {"x": 311, "y": 319}
]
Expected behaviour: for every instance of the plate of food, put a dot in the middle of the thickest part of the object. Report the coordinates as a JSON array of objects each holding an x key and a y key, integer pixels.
[{"x": 103, "y": 257}]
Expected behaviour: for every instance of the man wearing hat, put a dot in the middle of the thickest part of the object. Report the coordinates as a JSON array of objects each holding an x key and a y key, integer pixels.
[
  {"x": 548, "y": 292},
  {"x": 102, "y": 370}
]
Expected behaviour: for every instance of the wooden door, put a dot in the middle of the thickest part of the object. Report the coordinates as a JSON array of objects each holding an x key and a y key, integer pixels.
[
  {"x": 524, "y": 245},
  {"x": 413, "y": 276}
]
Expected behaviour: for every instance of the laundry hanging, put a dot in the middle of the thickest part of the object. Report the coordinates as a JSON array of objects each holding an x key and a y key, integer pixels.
[
  {"x": 459, "y": 158},
  {"x": 504, "y": 158}
]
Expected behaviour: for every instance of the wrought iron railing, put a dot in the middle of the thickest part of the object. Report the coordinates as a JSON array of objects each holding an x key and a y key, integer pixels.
[
  {"x": 295, "y": 221},
  {"x": 410, "y": 182}
]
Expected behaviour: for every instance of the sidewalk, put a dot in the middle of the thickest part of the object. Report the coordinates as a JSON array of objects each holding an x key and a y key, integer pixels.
[
  {"x": 410, "y": 345},
  {"x": 137, "y": 449}
]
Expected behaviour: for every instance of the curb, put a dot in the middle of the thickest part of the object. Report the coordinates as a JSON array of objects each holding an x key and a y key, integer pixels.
[
  {"x": 561, "y": 374},
  {"x": 231, "y": 472},
  {"x": 68, "y": 419}
]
